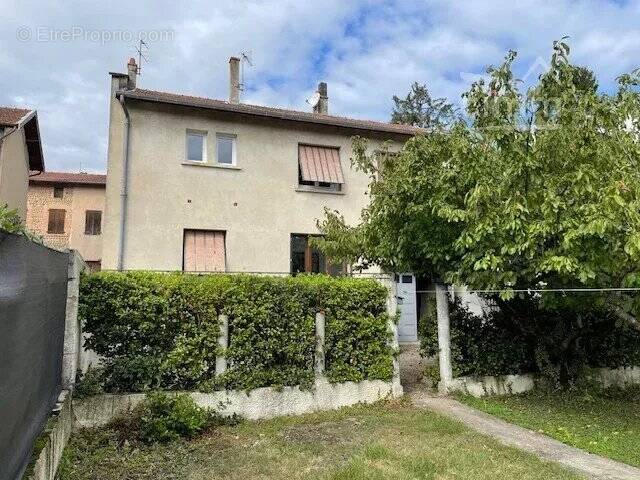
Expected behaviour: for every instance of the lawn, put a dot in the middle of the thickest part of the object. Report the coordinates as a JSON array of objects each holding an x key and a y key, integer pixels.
[
  {"x": 390, "y": 440},
  {"x": 606, "y": 424}
]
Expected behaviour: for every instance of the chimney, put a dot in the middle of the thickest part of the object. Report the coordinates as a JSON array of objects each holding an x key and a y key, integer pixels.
[
  {"x": 323, "y": 104},
  {"x": 132, "y": 73},
  {"x": 234, "y": 80}
]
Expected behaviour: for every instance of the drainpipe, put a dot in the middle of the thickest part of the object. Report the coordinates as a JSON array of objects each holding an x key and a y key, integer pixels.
[{"x": 124, "y": 184}]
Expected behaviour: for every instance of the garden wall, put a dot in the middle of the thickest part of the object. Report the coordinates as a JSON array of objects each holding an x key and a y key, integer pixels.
[{"x": 294, "y": 344}]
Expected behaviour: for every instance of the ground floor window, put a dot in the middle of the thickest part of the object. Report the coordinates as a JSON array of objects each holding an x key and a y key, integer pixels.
[
  {"x": 204, "y": 251},
  {"x": 307, "y": 259}
]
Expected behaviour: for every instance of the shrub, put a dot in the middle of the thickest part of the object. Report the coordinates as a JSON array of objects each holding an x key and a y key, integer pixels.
[
  {"x": 164, "y": 418},
  {"x": 559, "y": 339},
  {"x": 91, "y": 383},
  {"x": 160, "y": 330}
]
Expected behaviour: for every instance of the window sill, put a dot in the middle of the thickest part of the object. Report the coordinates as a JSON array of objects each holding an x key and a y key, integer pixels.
[
  {"x": 310, "y": 189},
  {"x": 211, "y": 165}
]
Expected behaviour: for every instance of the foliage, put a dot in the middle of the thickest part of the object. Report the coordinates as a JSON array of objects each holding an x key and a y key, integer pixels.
[
  {"x": 160, "y": 330},
  {"x": 605, "y": 422},
  {"x": 89, "y": 384},
  {"x": 11, "y": 222},
  {"x": 557, "y": 343},
  {"x": 164, "y": 418},
  {"x": 419, "y": 109},
  {"x": 541, "y": 188}
]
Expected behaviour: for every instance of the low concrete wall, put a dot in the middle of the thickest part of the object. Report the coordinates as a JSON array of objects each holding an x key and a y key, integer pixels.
[
  {"x": 257, "y": 404},
  {"x": 481, "y": 386},
  {"x": 56, "y": 436}
]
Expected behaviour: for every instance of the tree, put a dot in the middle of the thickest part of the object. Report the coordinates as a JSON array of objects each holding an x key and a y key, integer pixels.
[
  {"x": 535, "y": 190},
  {"x": 420, "y": 110}
]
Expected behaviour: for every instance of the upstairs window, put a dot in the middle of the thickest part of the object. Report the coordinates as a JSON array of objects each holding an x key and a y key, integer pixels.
[
  {"x": 93, "y": 222},
  {"x": 196, "y": 146},
  {"x": 56, "y": 221},
  {"x": 320, "y": 167},
  {"x": 226, "y": 149},
  {"x": 308, "y": 259},
  {"x": 58, "y": 192}
]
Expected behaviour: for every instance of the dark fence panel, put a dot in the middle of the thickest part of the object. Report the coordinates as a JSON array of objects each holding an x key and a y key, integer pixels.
[{"x": 33, "y": 292}]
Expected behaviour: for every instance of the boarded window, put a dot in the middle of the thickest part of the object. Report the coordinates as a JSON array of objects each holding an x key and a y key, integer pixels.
[
  {"x": 56, "y": 221},
  {"x": 320, "y": 166},
  {"x": 204, "y": 251},
  {"x": 93, "y": 222},
  {"x": 306, "y": 258},
  {"x": 58, "y": 192}
]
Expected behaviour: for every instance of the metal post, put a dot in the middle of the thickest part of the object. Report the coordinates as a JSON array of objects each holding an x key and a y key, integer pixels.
[
  {"x": 223, "y": 343},
  {"x": 444, "y": 338},
  {"x": 320, "y": 360}
]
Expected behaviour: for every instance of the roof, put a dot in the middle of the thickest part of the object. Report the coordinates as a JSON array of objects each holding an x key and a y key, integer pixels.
[
  {"x": 27, "y": 119},
  {"x": 11, "y": 116},
  {"x": 269, "y": 112},
  {"x": 69, "y": 178}
]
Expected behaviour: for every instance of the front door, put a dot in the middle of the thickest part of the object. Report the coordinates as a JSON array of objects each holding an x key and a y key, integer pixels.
[{"x": 406, "y": 292}]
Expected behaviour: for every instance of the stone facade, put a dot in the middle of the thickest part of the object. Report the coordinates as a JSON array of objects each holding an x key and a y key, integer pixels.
[{"x": 75, "y": 201}]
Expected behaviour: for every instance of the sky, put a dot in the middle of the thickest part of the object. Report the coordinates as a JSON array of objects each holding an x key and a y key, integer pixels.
[{"x": 55, "y": 56}]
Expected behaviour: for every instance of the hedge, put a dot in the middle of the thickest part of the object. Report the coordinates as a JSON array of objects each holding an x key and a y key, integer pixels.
[{"x": 159, "y": 331}]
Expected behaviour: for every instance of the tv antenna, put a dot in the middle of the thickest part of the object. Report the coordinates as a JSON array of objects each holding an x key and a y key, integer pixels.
[
  {"x": 142, "y": 48},
  {"x": 245, "y": 59}
]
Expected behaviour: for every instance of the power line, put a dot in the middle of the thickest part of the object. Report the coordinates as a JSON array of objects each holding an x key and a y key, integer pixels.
[{"x": 546, "y": 290}]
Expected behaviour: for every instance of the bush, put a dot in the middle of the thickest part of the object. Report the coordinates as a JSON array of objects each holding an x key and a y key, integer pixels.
[
  {"x": 159, "y": 331},
  {"x": 560, "y": 339},
  {"x": 89, "y": 384}
]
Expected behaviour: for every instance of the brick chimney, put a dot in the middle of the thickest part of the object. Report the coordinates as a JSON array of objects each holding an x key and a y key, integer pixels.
[
  {"x": 234, "y": 80},
  {"x": 132, "y": 73},
  {"x": 323, "y": 104}
]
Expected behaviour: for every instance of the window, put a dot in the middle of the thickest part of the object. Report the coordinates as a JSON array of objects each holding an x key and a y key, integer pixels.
[
  {"x": 56, "y": 221},
  {"x": 196, "y": 146},
  {"x": 305, "y": 258},
  {"x": 226, "y": 149},
  {"x": 58, "y": 192},
  {"x": 320, "y": 167},
  {"x": 94, "y": 266},
  {"x": 203, "y": 251},
  {"x": 93, "y": 222}
]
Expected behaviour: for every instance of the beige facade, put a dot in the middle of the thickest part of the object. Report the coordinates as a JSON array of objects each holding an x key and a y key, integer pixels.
[
  {"x": 76, "y": 200},
  {"x": 20, "y": 152},
  {"x": 14, "y": 172},
  {"x": 258, "y": 202}
]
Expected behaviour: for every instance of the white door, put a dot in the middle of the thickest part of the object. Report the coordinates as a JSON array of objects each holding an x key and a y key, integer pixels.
[{"x": 406, "y": 293}]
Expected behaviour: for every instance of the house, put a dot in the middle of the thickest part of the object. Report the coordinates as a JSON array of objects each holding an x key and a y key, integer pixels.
[
  {"x": 66, "y": 209},
  {"x": 20, "y": 152},
  {"x": 198, "y": 184}
]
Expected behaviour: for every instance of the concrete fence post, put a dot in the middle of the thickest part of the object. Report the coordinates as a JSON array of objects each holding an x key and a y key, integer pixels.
[
  {"x": 392, "y": 310},
  {"x": 72, "y": 352},
  {"x": 320, "y": 358},
  {"x": 223, "y": 342},
  {"x": 444, "y": 337}
]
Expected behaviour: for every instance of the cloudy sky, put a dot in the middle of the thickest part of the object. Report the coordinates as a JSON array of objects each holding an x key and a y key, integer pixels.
[{"x": 55, "y": 56}]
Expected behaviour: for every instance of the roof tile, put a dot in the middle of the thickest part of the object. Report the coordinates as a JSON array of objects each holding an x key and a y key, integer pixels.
[
  {"x": 69, "y": 178},
  {"x": 11, "y": 116}
]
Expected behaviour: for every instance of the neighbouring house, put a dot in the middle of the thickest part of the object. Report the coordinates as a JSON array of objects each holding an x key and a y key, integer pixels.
[
  {"x": 20, "y": 153},
  {"x": 66, "y": 209},
  {"x": 198, "y": 184}
]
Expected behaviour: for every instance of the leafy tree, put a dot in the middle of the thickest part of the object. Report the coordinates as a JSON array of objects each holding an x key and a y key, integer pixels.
[
  {"x": 536, "y": 189},
  {"x": 419, "y": 109}
]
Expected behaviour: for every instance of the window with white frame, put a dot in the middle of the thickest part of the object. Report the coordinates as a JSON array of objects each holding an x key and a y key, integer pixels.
[
  {"x": 196, "y": 146},
  {"x": 226, "y": 149}
]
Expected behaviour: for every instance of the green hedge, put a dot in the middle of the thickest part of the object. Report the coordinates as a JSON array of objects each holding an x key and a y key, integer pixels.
[{"x": 159, "y": 330}]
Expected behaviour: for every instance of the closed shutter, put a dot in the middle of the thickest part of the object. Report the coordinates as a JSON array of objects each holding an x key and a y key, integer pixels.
[
  {"x": 204, "y": 251},
  {"x": 56, "y": 221},
  {"x": 320, "y": 164}
]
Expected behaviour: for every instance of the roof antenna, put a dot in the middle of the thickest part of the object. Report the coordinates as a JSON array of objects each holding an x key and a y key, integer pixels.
[
  {"x": 245, "y": 58},
  {"x": 141, "y": 49}
]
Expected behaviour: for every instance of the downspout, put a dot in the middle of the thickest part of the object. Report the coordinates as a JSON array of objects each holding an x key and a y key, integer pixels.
[{"x": 124, "y": 184}]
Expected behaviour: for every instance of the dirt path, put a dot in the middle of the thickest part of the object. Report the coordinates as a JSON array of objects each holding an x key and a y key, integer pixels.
[{"x": 593, "y": 466}]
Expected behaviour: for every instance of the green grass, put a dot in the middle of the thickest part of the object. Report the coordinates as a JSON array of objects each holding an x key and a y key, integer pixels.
[
  {"x": 606, "y": 424},
  {"x": 383, "y": 441}
]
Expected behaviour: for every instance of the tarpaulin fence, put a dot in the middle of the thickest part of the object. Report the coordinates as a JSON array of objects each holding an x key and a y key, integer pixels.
[{"x": 33, "y": 292}]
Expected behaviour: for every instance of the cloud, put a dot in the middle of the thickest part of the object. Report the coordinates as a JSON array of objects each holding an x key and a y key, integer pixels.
[{"x": 366, "y": 50}]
